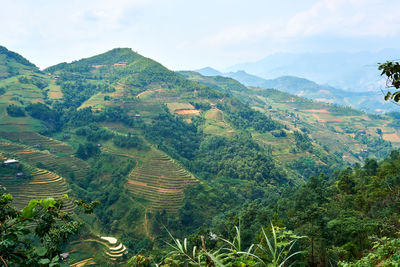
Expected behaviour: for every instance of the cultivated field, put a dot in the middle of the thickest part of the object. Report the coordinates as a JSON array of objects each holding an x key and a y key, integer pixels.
[
  {"x": 215, "y": 123},
  {"x": 161, "y": 181},
  {"x": 63, "y": 165},
  {"x": 43, "y": 184},
  {"x": 38, "y": 141}
]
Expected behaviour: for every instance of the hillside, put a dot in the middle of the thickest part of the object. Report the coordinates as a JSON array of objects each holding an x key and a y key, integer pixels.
[
  {"x": 12, "y": 64},
  {"x": 369, "y": 101},
  {"x": 335, "y": 128},
  {"x": 169, "y": 149}
]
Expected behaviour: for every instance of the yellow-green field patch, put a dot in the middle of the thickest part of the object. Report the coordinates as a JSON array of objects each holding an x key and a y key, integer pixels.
[
  {"x": 178, "y": 106},
  {"x": 215, "y": 124}
]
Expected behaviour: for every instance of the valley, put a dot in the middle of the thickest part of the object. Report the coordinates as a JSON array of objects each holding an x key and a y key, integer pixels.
[{"x": 177, "y": 151}]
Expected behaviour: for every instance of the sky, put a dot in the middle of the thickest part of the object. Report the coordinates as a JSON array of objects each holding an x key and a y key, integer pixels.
[{"x": 186, "y": 34}]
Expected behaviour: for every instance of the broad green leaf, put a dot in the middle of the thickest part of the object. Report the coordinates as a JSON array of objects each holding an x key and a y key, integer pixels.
[
  {"x": 30, "y": 211},
  {"x": 48, "y": 202},
  {"x": 40, "y": 251},
  {"x": 44, "y": 261}
]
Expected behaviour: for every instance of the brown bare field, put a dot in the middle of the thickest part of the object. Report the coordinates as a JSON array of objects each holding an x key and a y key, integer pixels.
[
  {"x": 173, "y": 106},
  {"x": 188, "y": 112},
  {"x": 325, "y": 119},
  {"x": 337, "y": 128},
  {"x": 393, "y": 137},
  {"x": 317, "y": 110},
  {"x": 55, "y": 95}
]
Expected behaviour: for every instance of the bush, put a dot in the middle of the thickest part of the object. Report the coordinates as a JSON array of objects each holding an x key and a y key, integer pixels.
[
  {"x": 130, "y": 141},
  {"x": 15, "y": 111}
]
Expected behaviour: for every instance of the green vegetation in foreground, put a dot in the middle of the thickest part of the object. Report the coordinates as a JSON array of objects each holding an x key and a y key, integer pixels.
[{"x": 35, "y": 235}]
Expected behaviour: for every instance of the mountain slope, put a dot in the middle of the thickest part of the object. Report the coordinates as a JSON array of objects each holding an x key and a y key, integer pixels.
[
  {"x": 351, "y": 71},
  {"x": 336, "y": 128},
  {"x": 160, "y": 148},
  {"x": 21, "y": 84},
  {"x": 12, "y": 64},
  {"x": 371, "y": 101}
]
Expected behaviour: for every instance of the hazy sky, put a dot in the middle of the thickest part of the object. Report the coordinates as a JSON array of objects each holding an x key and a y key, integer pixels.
[{"x": 185, "y": 34}]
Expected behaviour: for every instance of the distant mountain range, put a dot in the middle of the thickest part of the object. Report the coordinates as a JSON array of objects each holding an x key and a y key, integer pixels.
[
  {"x": 349, "y": 71},
  {"x": 369, "y": 101}
]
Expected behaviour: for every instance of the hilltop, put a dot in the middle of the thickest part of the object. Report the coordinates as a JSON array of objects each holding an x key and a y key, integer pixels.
[{"x": 12, "y": 64}]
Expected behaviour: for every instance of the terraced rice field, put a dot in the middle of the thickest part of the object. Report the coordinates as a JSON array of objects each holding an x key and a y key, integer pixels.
[
  {"x": 44, "y": 184},
  {"x": 85, "y": 262},
  {"x": 35, "y": 139},
  {"x": 65, "y": 165},
  {"x": 110, "y": 247},
  {"x": 160, "y": 181}
]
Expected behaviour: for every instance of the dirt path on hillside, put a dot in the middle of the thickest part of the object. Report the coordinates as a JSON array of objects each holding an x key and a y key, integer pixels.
[
  {"x": 146, "y": 225},
  {"x": 145, "y": 221}
]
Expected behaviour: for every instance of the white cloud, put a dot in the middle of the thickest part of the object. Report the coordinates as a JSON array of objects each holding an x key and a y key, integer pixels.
[
  {"x": 350, "y": 18},
  {"x": 184, "y": 34},
  {"x": 334, "y": 18}
]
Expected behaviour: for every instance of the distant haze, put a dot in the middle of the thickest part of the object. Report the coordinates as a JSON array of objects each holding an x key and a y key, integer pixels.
[
  {"x": 193, "y": 34},
  {"x": 349, "y": 71}
]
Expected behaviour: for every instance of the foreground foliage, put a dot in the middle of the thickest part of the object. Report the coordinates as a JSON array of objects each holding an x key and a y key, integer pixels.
[
  {"x": 273, "y": 251},
  {"x": 386, "y": 252},
  {"x": 34, "y": 235}
]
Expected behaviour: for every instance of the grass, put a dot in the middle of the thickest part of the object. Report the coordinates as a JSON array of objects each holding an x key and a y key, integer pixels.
[
  {"x": 216, "y": 125},
  {"x": 54, "y": 91},
  {"x": 18, "y": 94}
]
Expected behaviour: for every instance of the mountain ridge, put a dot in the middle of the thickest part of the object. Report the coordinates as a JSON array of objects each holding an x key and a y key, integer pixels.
[
  {"x": 367, "y": 101},
  {"x": 347, "y": 70}
]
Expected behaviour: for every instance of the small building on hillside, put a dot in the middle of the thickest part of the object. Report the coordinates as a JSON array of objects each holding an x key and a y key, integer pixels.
[
  {"x": 138, "y": 116},
  {"x": 11, "y": 162},
  {"x": 19, "y": 174},
  {"x": 36, "y": 145},
  {"x": 64, "y": 256}
]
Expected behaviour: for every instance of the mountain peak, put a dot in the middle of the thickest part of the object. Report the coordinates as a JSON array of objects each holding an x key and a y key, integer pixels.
[
  {"x": 12, "y": 63},
  {"x": 208, "y": 71},
  {"x": 114, "y": 56}
]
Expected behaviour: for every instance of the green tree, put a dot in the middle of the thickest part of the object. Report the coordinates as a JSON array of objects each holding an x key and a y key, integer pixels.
[
  {"x": 34, "y": 235},
  {"x": 392, "y": 72}
]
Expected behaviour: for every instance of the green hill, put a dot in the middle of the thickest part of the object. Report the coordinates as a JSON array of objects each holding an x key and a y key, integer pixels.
[
  {"x": 351, "y": 133},
  {"x": 12, "y": 64},
  {"x": 369, "y": 101}
]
